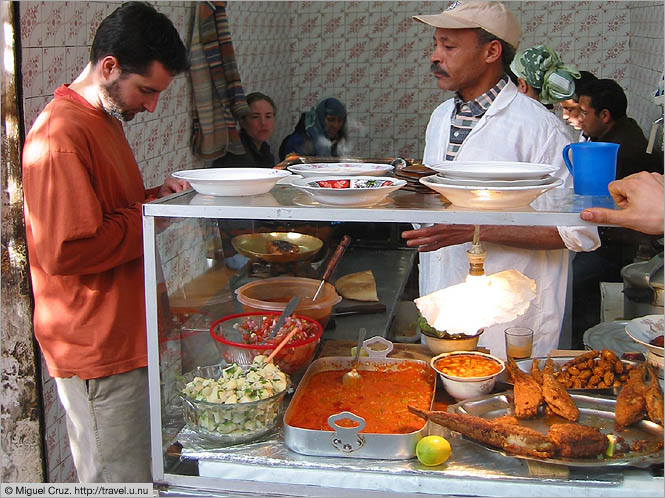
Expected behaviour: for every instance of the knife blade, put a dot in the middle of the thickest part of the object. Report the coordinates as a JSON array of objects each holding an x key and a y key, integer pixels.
[
  {"x": 359, "y": 309},
  {"x": 288, "y": 309}
]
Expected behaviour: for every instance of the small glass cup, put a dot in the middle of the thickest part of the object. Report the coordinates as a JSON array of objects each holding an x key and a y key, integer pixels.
[{"x": 519, "y": 341}]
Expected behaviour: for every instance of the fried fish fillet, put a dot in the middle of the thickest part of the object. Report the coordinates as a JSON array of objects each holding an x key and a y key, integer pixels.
[
  {"x": 526, "y": 391},
  {"x": 558, "y": 400},
  {"x": 535, "y": 371},
  {"x": 631, "y": 402},
  {"x": 577, "y": 441},
  {"x": 654, "y": 398},
  {"x": 508, "y": 437}
]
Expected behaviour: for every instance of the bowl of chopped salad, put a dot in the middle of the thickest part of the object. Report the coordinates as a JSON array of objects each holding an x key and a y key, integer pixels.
[
  {"x": 241, "y": 337},
  {"x": 231, "y": 403}
]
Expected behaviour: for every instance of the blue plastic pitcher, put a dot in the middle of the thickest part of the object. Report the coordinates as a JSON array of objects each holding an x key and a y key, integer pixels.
[{"x": 593, "y": 166}]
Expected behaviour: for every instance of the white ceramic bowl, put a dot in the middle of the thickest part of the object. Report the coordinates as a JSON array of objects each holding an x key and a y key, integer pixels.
[
  {"x": 475, "y": 197},
  {"x": 348, "y": 190},
  {"x": 442, "y": 345},
  {"x": 462, "y": 388},
  {"x": 493, "y": 170},
  {"x": 231, "y": 181},
  {"x": 340, "y": 169}
]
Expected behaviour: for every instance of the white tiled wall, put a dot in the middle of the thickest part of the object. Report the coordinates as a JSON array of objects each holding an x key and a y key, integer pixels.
[{"x": 369, "y": 54}]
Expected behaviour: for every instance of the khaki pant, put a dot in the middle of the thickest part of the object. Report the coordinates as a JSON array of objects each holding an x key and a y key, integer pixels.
[{"x": 109, "y": 426}]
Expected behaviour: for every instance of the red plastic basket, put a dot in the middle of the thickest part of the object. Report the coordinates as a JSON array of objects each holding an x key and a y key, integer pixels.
[{"x": 292, "y": 358}]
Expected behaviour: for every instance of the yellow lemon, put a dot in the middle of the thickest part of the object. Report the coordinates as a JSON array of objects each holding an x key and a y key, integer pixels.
[
  {"x": 433, "y": 450},
  {"x": 362, "y": 352}
]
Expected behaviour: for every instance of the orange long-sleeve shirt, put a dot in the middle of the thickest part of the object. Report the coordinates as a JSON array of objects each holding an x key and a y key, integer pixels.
[{"x": 83, "y": 193}]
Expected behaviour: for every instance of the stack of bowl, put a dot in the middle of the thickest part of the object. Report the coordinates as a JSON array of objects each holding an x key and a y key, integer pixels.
[{"x": 491, "y": 184}]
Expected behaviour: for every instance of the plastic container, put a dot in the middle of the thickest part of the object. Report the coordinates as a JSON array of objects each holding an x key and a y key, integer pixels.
[
  {"x": 292, "y": 358},
  {"x": 272, "y": 294}
]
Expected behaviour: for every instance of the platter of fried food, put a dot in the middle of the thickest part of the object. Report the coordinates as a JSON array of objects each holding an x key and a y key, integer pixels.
[
  {"x": 488, "y": 422},
  {"x": 541, "y": 420},
  {"x": 277, "y": 247},
  {"x": 596, "y": 369}
]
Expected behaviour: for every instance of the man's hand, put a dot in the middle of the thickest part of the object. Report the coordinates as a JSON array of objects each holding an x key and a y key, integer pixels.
[
  {"x": 437, "y": 236},
  {"x": 640, "y": 197},
  {"x": 171, "y": 186}
]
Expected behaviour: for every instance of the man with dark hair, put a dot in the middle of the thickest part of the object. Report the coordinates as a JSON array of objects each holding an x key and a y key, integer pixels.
[
  {"x": 83, "y": 196},
  {"x": 571, "y": 108},
  {"x": 603, "y": 105},
  {"x": 489, "y": 120}
]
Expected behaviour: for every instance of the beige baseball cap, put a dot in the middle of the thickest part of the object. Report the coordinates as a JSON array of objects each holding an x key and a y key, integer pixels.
[{"x": 493, "y": 17}]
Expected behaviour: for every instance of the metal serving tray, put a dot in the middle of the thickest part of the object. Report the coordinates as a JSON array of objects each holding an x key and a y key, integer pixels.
[
  {"x": 349, "y": 441},
  {"x": 595, "y": 411}
]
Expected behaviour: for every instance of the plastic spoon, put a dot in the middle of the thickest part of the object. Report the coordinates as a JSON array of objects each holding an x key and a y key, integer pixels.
[
  {"x": 352, "y": 377},
  {"x": 282, "y": 344}
]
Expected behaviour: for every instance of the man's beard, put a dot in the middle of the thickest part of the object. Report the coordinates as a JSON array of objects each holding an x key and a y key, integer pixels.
[{"x": 112, "y": 102}]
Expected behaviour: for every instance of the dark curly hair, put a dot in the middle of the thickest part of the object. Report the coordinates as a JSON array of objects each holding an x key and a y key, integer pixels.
[{"x": 137, "y": 35}]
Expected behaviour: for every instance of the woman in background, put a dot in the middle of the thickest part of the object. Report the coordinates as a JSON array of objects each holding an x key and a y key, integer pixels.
[
  {"x": 320, "y": 132},
  {"x": 256, "y": 129},
  {"x": 541, "y": 75}
]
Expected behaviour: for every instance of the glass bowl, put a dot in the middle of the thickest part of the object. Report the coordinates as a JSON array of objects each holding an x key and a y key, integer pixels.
[
  {"x": 229, "y": 423},
  {"x": 236, "y": 346}
]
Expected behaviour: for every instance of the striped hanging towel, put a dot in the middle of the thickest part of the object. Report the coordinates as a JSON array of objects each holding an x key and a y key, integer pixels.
[{"x": 219, "y": 98}]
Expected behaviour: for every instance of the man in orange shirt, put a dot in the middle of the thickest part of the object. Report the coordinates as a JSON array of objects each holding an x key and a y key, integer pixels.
[{"x": 83, "y": 195}]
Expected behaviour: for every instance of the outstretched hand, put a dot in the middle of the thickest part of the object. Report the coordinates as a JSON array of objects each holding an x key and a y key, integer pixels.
[
  {"x": 640, "y": 197},
  {"x": 437, "y": 236},
  {"x": 171, "y": 186}
]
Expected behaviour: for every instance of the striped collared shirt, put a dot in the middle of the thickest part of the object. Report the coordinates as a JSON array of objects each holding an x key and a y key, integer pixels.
[{"x": 467, "y": 115}]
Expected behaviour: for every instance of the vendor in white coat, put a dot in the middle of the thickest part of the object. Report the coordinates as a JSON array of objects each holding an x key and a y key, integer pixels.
[{"x": 490, "y": 120}]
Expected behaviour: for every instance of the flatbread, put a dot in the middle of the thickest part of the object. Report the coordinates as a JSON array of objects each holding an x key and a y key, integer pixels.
[
  {"x": 360, "y": 286},
  {"x": 479, "y": 302}
]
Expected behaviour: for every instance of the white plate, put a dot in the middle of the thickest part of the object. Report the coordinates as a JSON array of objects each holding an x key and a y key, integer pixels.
[
  {"x": 488, "y": 197},
  {"x": 231, "y": 181},
  {"x": 493, "y": 170},
  {"x": 473, "y": 182},
  {"x": 349, "y": 190},
  {"x": 341, "y": 169},
  {"x": 645, "y": 329}
]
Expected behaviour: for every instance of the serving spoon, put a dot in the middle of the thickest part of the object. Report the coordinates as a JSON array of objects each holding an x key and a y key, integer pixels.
[
  {"x": 282, "y": 344},
  {"x": 352, "y": 377}
]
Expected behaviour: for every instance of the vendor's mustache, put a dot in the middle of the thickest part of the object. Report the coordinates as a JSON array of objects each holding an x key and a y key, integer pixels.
[{"x": 436, "y": 69}]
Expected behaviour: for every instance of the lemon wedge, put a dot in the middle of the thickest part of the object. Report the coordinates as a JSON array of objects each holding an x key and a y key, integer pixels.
[{"x": 612, "y": 446}]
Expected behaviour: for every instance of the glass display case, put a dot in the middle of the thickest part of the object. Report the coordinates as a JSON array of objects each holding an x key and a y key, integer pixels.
[{"x": 192, "y": 270}]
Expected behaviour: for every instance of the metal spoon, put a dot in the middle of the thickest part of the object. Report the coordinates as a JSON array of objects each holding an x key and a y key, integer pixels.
[
  {"x": 288, "y": 309},
  {"x": 332, "y": 264},
  {"x": 352, "y": 377}
]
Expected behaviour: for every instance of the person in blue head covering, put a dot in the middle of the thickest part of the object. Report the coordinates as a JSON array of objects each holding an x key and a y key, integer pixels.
[{"x": 320, "y": 132}]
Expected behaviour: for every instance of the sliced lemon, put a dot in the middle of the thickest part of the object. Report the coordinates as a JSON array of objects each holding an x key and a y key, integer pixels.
[
  {"x": 433, "y": 450},
  {"x": 612, "y": 446}
]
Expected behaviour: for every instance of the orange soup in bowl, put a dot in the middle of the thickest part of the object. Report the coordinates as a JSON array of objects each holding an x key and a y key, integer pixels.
[{"x": 467, "y": 366}]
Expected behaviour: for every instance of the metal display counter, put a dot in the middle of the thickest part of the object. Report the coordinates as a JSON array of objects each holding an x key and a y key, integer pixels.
[{"x": 266, "y": 468}]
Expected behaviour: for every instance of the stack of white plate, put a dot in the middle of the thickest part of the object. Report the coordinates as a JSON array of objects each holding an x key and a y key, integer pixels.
[{"x": 491, "y": 184}]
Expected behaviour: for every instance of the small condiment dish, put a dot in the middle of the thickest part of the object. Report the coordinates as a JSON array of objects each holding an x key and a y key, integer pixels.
[{"x": 462, "y": 387}]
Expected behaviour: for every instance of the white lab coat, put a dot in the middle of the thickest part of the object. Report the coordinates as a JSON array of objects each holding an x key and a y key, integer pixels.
[{"x": 514, "y": 128}]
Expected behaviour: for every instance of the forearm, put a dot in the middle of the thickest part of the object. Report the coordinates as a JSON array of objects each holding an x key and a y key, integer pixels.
[{"x": 525, "y": 237}]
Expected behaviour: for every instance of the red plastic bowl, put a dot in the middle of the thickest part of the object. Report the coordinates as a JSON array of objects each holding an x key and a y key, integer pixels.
[{"x": 290, "y": 359}]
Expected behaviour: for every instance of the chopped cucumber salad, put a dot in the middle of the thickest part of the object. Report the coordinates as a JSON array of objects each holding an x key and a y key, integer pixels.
[{"x": 246, "y": 397}]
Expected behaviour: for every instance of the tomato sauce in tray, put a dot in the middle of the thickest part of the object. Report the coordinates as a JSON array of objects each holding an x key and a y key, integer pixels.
[{"x": 381, "y": 398}]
